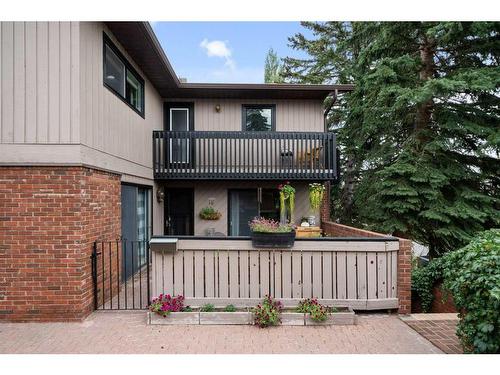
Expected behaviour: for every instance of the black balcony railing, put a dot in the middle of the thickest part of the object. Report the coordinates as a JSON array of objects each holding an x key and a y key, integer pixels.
[{"x": 244, "y": 155}]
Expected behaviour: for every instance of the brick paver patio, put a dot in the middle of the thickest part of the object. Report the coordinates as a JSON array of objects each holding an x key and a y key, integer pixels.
[
  {"x": 438, "y": 329},
  {"x": 127, "y": 332}
]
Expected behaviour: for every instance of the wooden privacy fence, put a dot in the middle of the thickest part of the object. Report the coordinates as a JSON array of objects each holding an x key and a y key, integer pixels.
[{"x": 361, "y": 273}]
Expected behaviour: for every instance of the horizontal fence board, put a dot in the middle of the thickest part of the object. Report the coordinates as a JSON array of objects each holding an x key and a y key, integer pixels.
[
  {"x": 299, "y": 245},
  {"x": 389, "y": 303}
]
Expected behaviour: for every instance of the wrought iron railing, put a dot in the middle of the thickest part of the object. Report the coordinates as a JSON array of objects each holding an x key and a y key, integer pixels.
[
  {"x": 121, "y": 275},
  {"x": 244, "y": 155}
]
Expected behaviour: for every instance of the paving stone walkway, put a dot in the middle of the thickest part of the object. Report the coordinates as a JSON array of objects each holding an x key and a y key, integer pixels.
[
  {"x": 127, "y": 332},
  {"x": 437, "y": 328}
]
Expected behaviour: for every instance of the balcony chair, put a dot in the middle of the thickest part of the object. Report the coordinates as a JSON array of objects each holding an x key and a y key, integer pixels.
[{"x": 310, "y": 158}]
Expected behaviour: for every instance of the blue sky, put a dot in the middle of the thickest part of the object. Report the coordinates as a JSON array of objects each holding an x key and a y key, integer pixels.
[{"x": 225, "y": 52}]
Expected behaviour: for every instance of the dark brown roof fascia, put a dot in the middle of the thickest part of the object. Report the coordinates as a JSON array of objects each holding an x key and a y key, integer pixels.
[{"x": 147, "y": 52}]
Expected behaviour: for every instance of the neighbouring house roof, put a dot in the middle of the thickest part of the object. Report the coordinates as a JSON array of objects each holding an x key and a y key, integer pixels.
[{"x": 140, "y": 42}]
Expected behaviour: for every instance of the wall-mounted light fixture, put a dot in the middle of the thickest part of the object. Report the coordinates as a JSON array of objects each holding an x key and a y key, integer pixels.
[
  {"x": 217, "y": 108},
  {"x": 160, "y": 194}
]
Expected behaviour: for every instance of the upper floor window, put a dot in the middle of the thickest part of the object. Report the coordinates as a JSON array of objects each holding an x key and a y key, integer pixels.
[
  {"x": 121, "y": 78},
  {"x": 259, "y": 117}
]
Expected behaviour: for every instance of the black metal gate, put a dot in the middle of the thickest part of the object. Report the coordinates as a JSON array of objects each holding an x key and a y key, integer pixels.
[{"x": 121, "y": 275}]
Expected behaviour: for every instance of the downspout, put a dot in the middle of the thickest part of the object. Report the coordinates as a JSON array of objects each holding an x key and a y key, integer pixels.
[{"x": 334, "y": 95}]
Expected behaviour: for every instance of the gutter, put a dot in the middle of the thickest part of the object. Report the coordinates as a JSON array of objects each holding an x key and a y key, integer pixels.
[{"x": 334, "y": 95}]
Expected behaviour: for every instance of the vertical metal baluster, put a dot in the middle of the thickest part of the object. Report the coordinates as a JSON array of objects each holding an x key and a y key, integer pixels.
[
  {"x": 118, "y": 271},
  {"x": 133, "y": 276},
  {"x": 110, "y": 275},
  {"x": 124, "y": 253},
  {"x": 103, "y": 274},
  {"x": 148, "y": 282},
  {"x": 140, "y": 275},
  {"x": 94, "y": 274}
]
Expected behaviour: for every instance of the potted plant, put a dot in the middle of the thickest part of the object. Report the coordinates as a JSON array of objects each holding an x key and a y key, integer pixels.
[
  {"x": 287, "y": 202},
  {"x": 268, "y": 233},
  {"x": 316, "y": 193},
  {"x": 209, "y": 213}
]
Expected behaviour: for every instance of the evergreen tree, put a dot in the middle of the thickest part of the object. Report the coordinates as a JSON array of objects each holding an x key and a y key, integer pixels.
[
  {"x": 422, "y": 126},
  {"x": 272, "y": 68}
]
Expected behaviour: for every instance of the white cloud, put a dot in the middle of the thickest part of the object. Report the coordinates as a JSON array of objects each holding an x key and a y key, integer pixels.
[{"x": 218, "y": 48}]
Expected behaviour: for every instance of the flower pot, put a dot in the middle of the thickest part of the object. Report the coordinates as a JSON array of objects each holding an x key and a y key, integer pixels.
[{"x": 273, "y": 240}]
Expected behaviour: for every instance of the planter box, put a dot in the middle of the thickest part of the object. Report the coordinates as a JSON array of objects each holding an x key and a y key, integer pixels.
[
  {"x": 340, "y": 318},
  {"x": 175, "y": 318},
  {"x": 292, "y": 319},
  {"x": 273, "y": 240},
  {"x": 230, "y": 318},
  {"x": 288, "y": 318}
]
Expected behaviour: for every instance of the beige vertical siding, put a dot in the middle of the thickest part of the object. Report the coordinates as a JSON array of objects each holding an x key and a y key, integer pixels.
[
  {"x": 107, "y": 123},
  {"x": 39, "y": 82},
  {"x": 291, "y": 115},
  {"x": 52, "y": 92}
]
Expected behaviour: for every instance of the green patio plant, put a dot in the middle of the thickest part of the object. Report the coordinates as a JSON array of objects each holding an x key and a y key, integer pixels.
[
  {"x": 267, "y": 313},
  {"x": 164, "y": 304},
  {"x": 287, "y": 201},
  {"x": 209, "y": 213},
  {"x": 316, "y": 311},
  {"x": 208, "y": 307},
  {"x": 230, "y": 308},
  {"x": 263, "y": 225},
  {"x": 316, "y": 193}
]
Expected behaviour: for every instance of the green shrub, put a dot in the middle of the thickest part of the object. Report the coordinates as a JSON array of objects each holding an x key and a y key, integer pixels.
[
  {"x": 230, "y": 308},
  {"x": 472, "y": 275},
  {"x": 207, "y": 308},
  {"x": 423, "y": 279}
]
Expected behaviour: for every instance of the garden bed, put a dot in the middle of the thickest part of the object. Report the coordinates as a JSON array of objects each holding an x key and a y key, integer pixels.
[{"x": 342, "y": 316}]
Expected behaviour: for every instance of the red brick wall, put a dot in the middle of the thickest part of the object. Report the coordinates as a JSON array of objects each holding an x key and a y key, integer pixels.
[
  {"x": 404, "y": 259},
  {"x": 49, "y": 218},
  {"x": 325, "y": 204},
  {"x": 442, "y": 303}
]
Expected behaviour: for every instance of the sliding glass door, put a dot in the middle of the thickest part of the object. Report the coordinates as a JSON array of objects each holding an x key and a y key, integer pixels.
[
  {"x": 245, "y": 204},
  {"x": 136, "y": 227}
]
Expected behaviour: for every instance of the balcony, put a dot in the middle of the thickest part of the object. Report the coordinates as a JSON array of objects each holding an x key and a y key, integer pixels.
[{"x": 238, "y": 155}]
